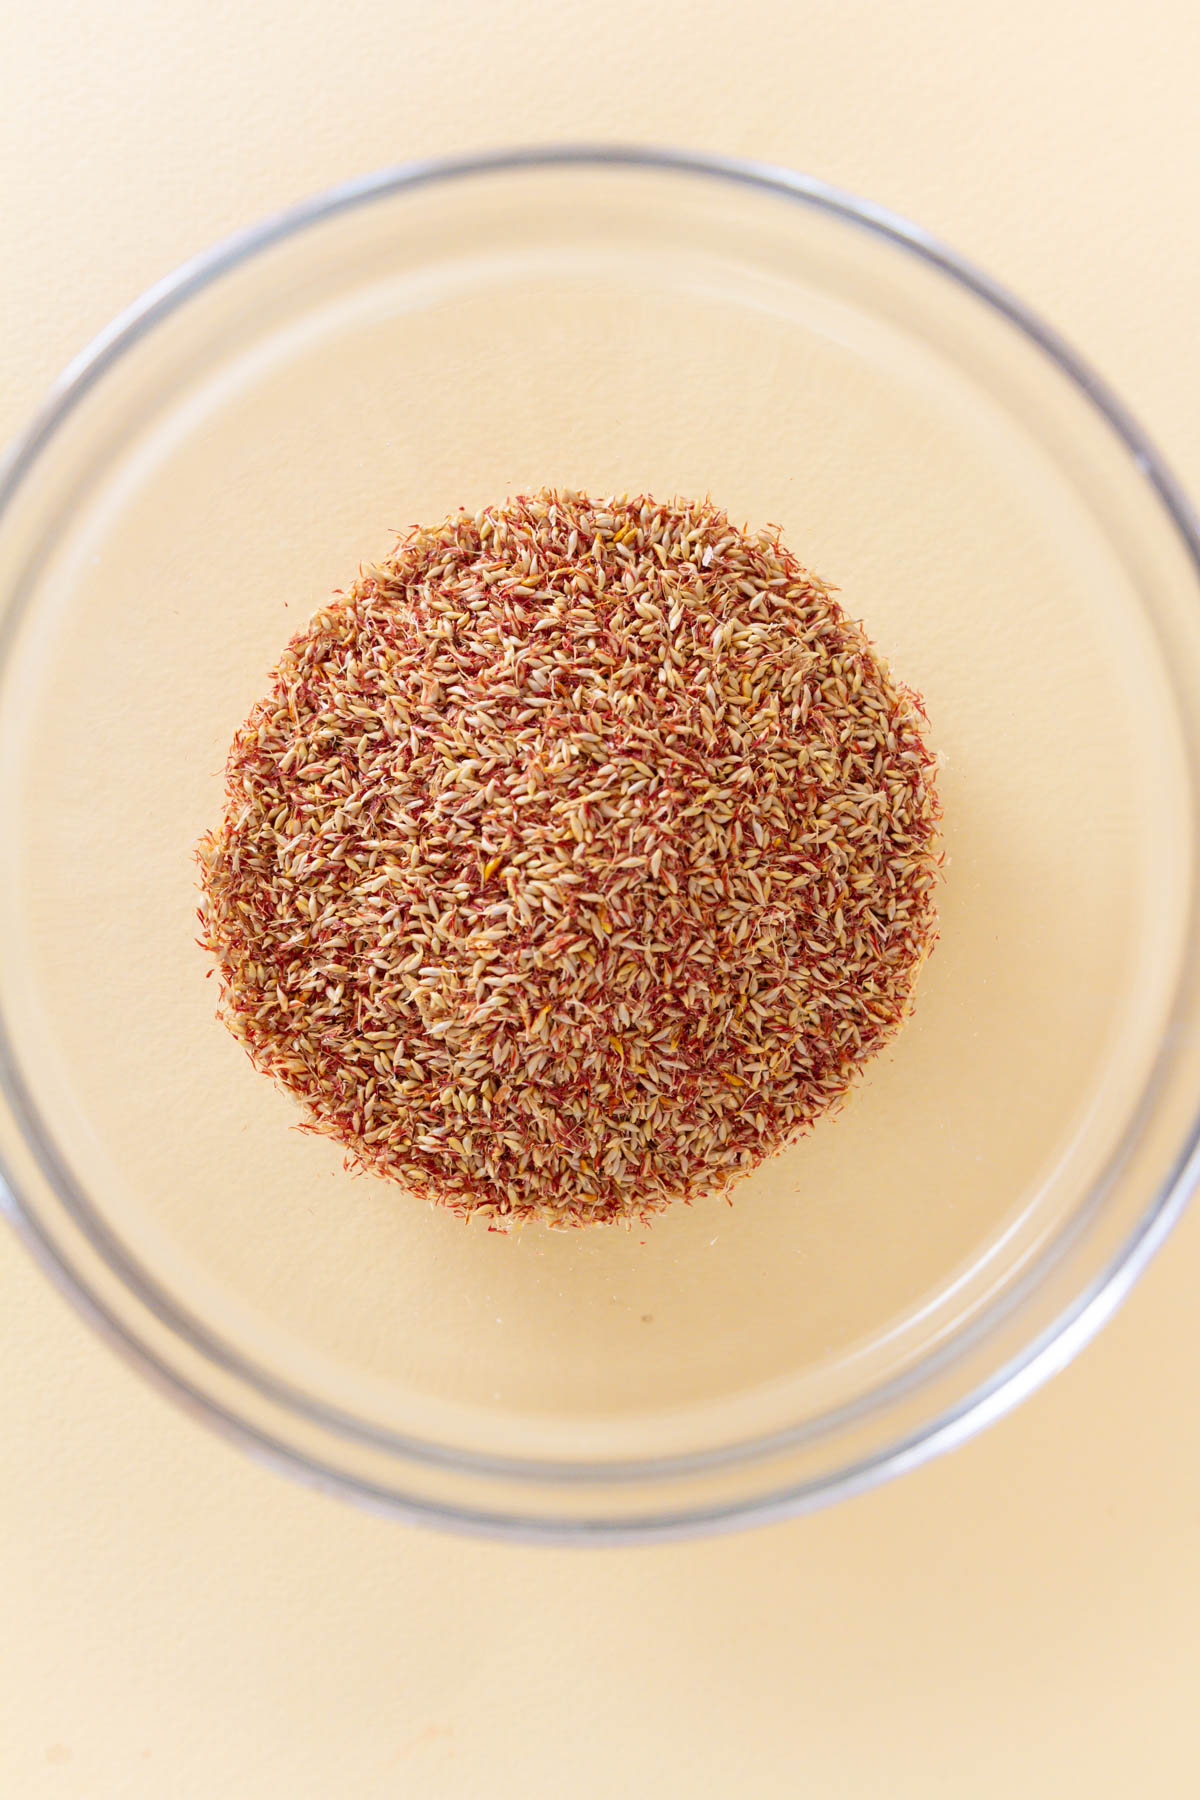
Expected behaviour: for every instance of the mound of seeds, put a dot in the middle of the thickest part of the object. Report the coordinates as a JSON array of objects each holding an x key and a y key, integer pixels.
[{"x": 577, "y": 859}]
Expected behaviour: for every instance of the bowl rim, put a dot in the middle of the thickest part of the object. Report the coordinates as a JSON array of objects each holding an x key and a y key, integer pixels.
[{"x": 1044, "y": 1355}]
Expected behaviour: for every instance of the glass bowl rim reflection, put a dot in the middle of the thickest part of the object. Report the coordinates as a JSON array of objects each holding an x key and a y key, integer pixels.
[{"x": 1041, "y": 1357}]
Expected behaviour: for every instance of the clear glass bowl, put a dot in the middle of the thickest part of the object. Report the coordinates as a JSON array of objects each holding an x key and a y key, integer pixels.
[{"x": 225, "y": 456}]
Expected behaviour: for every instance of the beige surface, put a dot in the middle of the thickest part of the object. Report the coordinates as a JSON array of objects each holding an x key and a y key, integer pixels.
[{"x": 181, "y": 1623}]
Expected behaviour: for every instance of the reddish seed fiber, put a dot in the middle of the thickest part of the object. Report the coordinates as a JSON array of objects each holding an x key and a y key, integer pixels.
[{"x": 576, "y": 861}]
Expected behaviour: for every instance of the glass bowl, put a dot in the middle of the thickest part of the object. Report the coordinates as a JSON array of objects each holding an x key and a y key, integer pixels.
[{"x": 225, "y": 455}]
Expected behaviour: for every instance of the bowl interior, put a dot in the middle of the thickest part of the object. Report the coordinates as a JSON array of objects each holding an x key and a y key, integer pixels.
[{"x": 613, "y": 330}]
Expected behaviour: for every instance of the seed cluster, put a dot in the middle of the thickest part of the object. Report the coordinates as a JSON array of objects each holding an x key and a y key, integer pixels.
[{"x": 577, "y": 859}]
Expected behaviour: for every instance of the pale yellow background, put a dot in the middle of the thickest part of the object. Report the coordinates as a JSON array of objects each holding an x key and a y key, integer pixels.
[{"x": 1021, "y": 1617}]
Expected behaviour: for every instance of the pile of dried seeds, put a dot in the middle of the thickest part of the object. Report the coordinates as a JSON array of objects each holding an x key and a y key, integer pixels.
[{"x": 576, "y": 861}]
